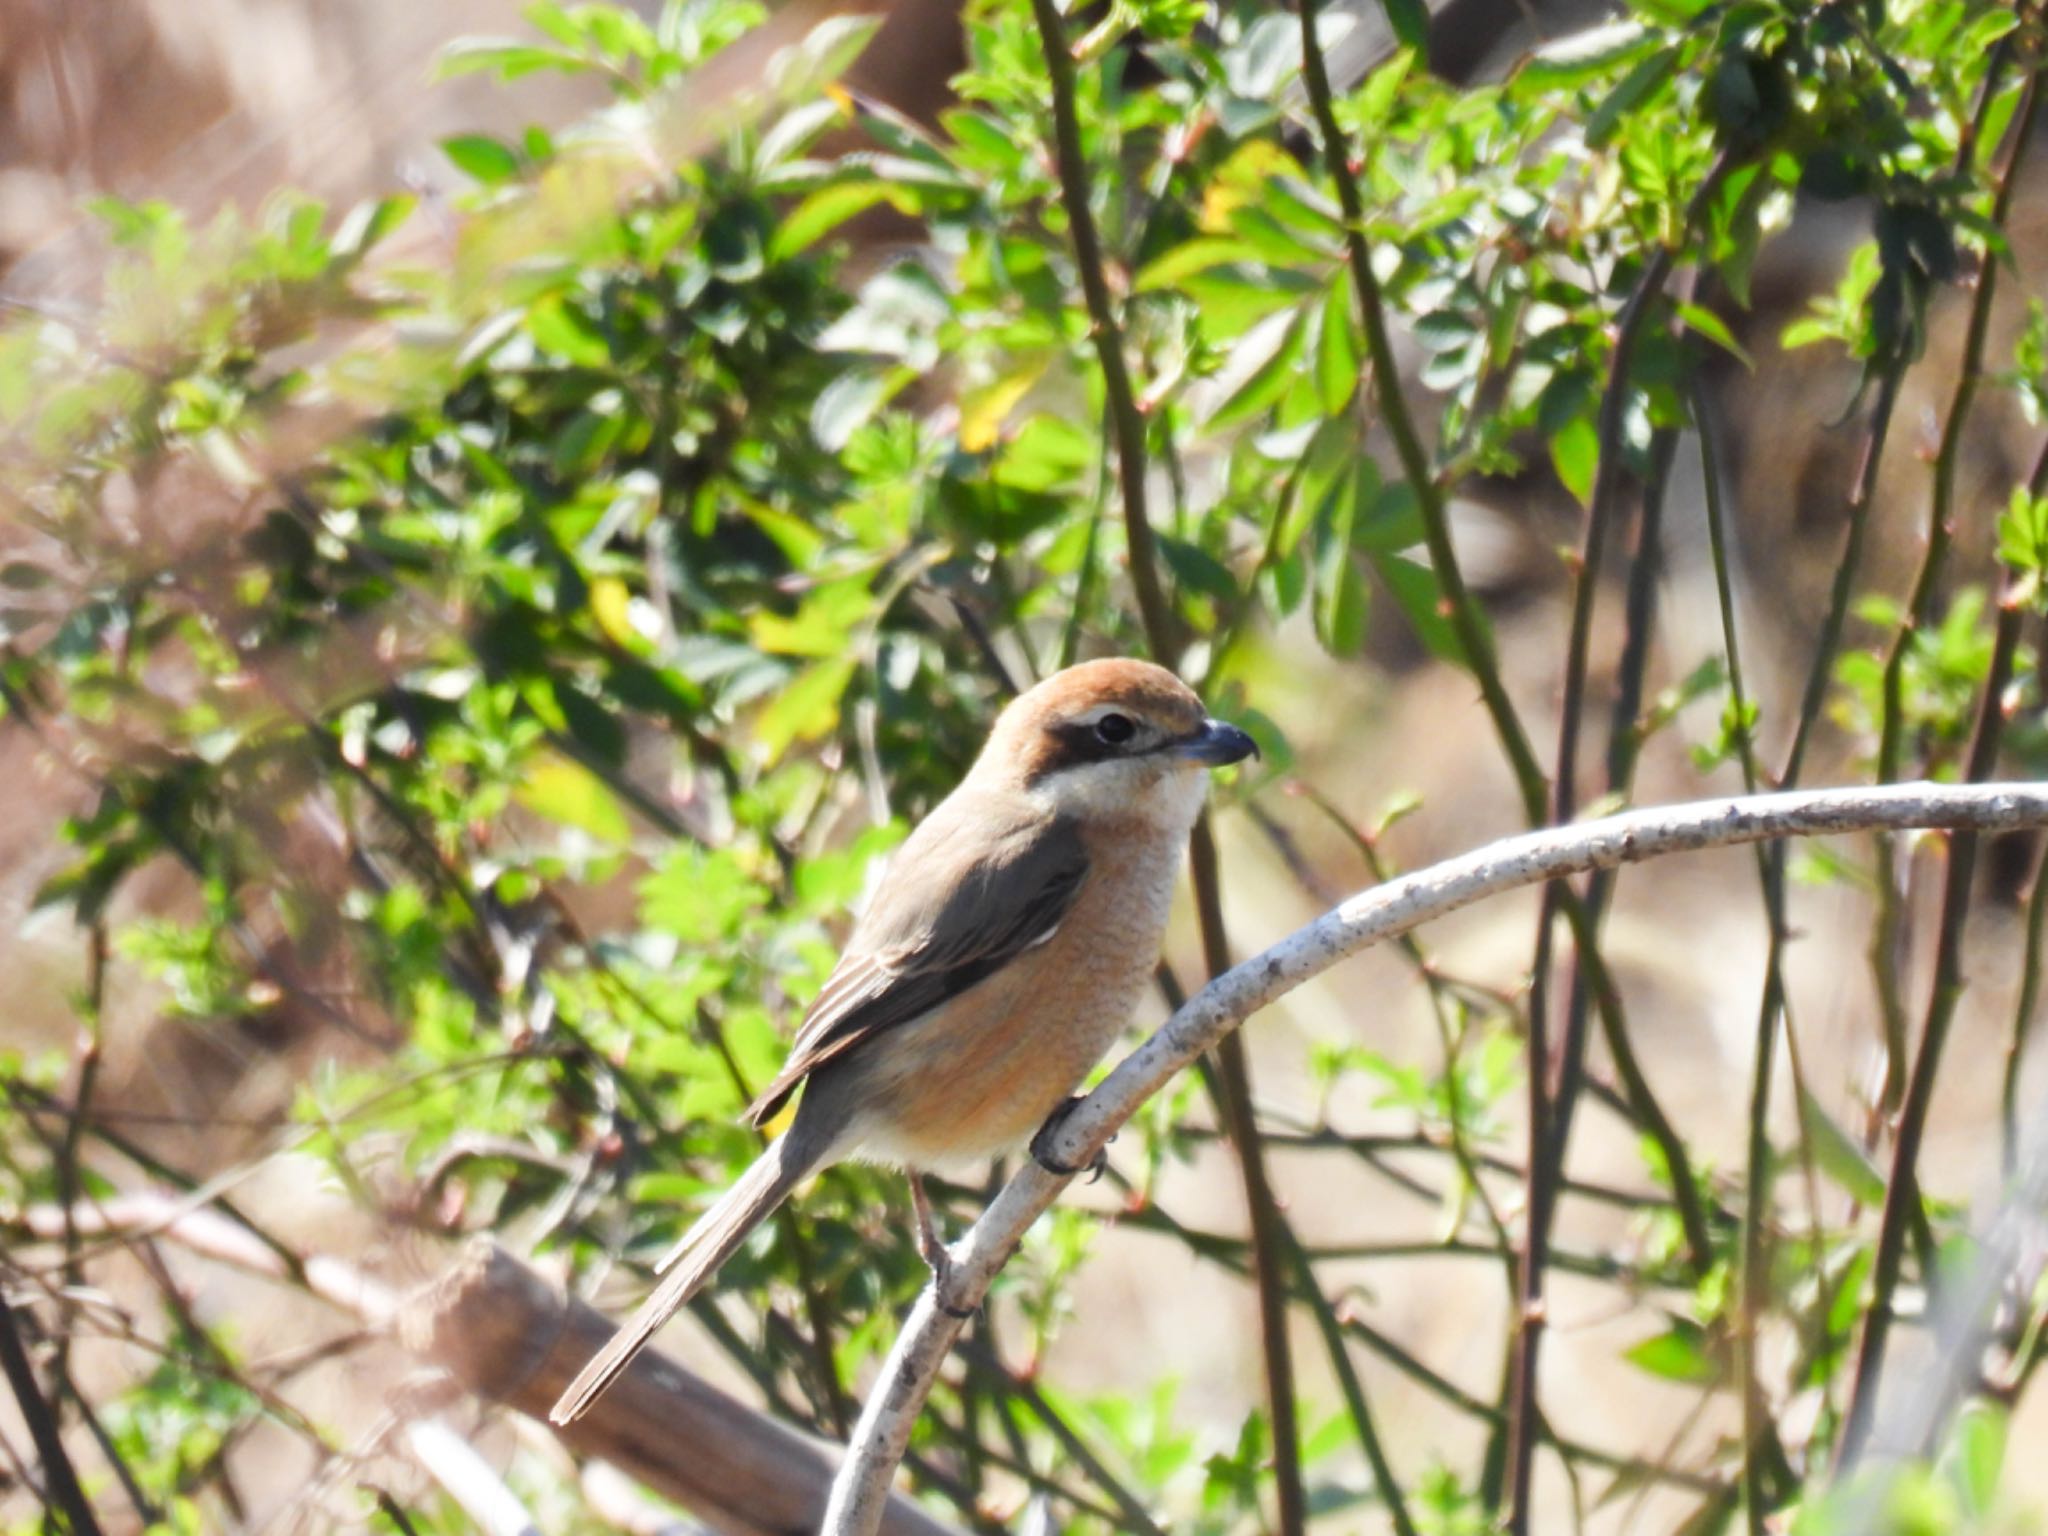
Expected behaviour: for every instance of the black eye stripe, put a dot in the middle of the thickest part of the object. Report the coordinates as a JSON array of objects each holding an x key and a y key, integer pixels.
[{"x": 1081, "y": 743}]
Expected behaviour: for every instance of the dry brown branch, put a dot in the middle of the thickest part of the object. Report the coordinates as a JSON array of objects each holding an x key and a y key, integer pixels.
[{"x": 508, "y": 1335}]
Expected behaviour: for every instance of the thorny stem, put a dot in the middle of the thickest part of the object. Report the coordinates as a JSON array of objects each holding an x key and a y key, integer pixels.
[
  {"x": 59, "y": 1475},
  {"x": 1753, "y": 1279},
  {"x": 1127, "y": 422},
  {"x": 1269, "y": 1230},
  {"x": 2023, "y": 1014},
  {"x": 1353, "y": 1391},
  {"x": 1162, "y": 629},
  {"x": 69, "y": 1168},
  {"x": 1611, "y": 425},
  {"x": 1623, "y": 746},
  {"x": 1902, "y": 1189},
  {"x": 1462, "y": 611},
  {"x": 1217, "y": 1245},
  {"x": 1888, "y": 937},
  {"x": 1229, "y": 1253},
  {"x": 1771, "y": 865},
  {"x": 1553, "y": 1084},
  {"x": 1375, "y": 1150}
]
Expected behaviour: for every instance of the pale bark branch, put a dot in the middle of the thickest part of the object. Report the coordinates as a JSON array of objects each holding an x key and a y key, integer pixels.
[
  {"x": 468, "y": 1479},
  {"x": 862, "y": 1488}
]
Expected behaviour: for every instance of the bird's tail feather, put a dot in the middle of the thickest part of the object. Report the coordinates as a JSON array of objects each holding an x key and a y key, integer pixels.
[{"x": 692, "y": 1262}]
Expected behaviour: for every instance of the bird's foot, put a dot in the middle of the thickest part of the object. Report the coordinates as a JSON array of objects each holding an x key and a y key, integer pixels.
[
  {"x": 1042, "y": 1142},
  {"x": 932, "y": 1249}
]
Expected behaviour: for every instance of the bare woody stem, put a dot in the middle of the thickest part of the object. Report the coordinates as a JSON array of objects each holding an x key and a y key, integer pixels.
[
  {"x": 1126, "y": 421},
  {"x": 1384, "y": 912},
  {"x": 1162, "y": 637},
  {"x": 1463, "y": 611},
  {"x": 1270, "y": 1234},
  {"x": 67, "y": 1499},
  {"x": 1902, "y": 1190},
  {"x": 1891, "y": 919}
]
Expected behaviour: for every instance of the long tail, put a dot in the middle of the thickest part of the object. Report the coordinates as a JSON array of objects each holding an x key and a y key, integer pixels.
[{"x": 693, "y": 1261}]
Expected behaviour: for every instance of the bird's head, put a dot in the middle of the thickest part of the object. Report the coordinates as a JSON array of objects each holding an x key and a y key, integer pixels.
[{"x": 1112, "y": 739}]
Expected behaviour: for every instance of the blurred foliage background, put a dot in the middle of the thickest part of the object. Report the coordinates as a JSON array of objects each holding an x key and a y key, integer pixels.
[{"x": 465, "y": 648}]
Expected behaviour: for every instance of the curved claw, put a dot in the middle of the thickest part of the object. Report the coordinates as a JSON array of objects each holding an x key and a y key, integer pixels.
[{"x": 1040, "y": 1144}]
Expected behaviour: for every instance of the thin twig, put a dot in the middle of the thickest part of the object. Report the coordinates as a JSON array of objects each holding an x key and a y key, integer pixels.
[
  {"x": 59, "y": 1476},
  {"x": 1132, "y": 1515},
  {"x": 1268, "y": 1228},
  {"x": 1902, "y": 1189},
  {"x": 1127, "y": 422},
  {"x": 1462, "y": 610},
  {"x": 1553, "y": 1084},
  {"x": 1886, "y": 937},
  {"x": 1753, "y": 1278},
  {"x": 1162, "y": 631}
]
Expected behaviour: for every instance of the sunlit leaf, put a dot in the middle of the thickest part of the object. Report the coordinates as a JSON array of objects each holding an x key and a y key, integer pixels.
[{"x": 572, "y": 795}]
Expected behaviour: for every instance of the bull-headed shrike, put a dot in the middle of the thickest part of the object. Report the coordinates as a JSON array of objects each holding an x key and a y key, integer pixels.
[{"x": 999, "y": 958}]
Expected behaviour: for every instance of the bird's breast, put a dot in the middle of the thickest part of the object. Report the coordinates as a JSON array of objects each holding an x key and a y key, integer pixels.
[{"x": 978, "y": 1075}]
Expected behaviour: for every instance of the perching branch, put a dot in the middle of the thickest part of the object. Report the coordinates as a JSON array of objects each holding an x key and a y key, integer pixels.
[{"x": 860, "y": 1491}]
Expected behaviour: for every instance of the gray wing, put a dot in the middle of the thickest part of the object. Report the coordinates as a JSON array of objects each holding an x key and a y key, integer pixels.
[{"x": 951, "y": 912}]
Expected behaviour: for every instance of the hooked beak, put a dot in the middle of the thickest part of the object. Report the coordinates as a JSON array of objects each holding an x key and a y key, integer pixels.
[{"x": 1215, "y": 744}]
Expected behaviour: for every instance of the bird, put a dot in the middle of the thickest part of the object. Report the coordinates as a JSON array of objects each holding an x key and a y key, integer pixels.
[{"x": 999, "y": 957}]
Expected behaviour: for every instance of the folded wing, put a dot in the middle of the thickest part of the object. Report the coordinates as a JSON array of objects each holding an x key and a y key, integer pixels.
[{"x": 979, "y": 883}]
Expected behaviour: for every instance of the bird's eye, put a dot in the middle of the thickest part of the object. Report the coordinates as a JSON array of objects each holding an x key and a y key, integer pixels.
[{"x": 1114, "y": 730}]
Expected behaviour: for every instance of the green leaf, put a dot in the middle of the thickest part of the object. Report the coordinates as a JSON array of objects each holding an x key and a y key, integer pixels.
[
  {"x": 848, "y": 403},
  {"x": 508, "y": 60},
  {"x": 1410, "y": 22},
  {"x": 2023, "y": 532},
  {"x": 1421, "y": 599},
  {"x": 565, "y": 330},
  {"x": 822, "y": 56},
  {"x": 1838, "y": 1154},
  {"x": 1976, "y": 1455},
  {"x": 1582, "y": 56},
  {"x": 1337, "y": 365},
  {"x": 481, "y": 157},
  {"x": 1636, "y": 87},
  {"x": 806, "y": 708},
  {"x": 368, "y": 223},
  {"x": 1339, "y": 591},
  {"x": 1575, "y": 455},
  {"x": 824, "y": 211},
  {"x": 589, "y": 724},
  {"x": 1680, "y": 1353},
  {"x": 1196, "y": 569},
  {"x": 1184, "y": 261},
  {"x": 1715, "y": 329},
  {"x": 1261, "y": 367},
  {"x": 567, "y": 792}
]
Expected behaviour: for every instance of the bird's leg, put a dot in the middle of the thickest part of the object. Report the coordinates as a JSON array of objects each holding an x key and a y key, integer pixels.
[
  {"x": 932, "y": 1248},
  {"x": 1041, "y": 1143}
]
